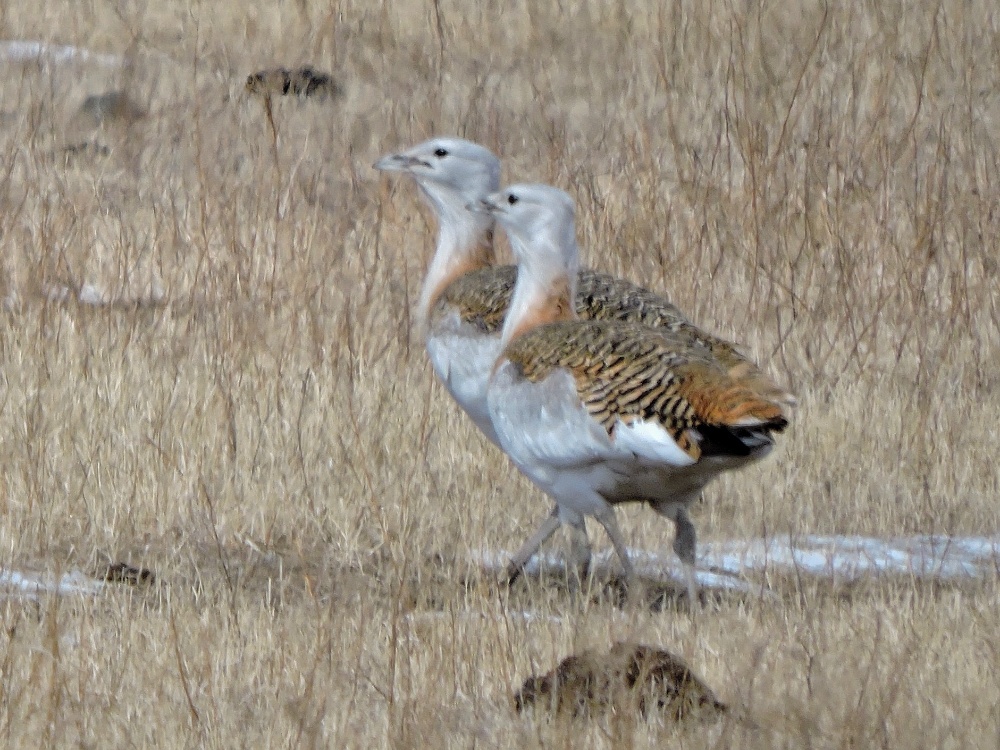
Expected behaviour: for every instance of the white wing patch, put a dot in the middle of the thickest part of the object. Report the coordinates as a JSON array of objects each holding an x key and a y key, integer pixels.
[
  {"x": 649, "y": 441},
  {"x": 748, "y": 422}
]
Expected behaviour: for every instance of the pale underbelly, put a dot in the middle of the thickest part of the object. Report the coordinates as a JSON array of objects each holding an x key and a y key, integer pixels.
[{"x": 463, "y": 364}]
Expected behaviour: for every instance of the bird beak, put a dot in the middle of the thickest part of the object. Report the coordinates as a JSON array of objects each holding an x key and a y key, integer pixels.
[
  {"x": 398, "y": 163},
  {"x": 482, "y": 206}
]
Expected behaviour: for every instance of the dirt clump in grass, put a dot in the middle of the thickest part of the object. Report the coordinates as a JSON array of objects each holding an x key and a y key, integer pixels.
[
  {"x": 629, "y": 678},
  {"x": 301, "y": 82}
]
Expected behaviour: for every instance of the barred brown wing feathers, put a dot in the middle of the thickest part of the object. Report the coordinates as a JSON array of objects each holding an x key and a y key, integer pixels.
[
  {"x": 601, "y": 296},
  {"x": 624, "y": 372},
  {"x": 481, "y": 297},
  {"x": 729, "y": 401},
  {"x": 605, "y": 297},
  {"x": 746, "y": 371}
]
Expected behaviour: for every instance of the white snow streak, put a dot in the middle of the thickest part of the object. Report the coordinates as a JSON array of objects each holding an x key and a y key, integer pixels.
[
  {"x": 840, "y": 559},
  {"x": 18, "y": 584},
  {"x": 20, "y": 51}
]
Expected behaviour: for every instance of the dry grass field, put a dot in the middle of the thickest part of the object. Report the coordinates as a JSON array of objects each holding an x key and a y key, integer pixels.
[{"x": 249, "y": 414}]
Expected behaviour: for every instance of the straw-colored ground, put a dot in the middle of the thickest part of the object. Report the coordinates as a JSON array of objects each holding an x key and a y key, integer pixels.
[{"x": 818, "y": 181}]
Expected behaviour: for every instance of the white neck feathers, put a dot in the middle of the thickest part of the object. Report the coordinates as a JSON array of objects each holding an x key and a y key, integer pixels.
[
  {"x": 546, "y": 284},
  {"x": 464, "y": 244}
]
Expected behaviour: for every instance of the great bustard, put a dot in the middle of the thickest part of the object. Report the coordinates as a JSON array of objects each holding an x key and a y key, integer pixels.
[
  {"x": 465, "y": 294},
  {"x": 602, "y": 412}
]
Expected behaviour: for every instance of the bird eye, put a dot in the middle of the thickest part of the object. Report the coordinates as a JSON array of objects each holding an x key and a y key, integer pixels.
[
  {"x": 512, "y": 199},
  {"x": 441, "y": 153}
]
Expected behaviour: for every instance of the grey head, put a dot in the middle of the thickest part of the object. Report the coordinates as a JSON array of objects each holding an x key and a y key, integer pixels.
[
  {"x": 451, "y": 172},
  {"x": 539, "y": 220}
]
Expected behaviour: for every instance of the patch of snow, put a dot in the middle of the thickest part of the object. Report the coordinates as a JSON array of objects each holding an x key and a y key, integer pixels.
[
  {"x": 15, "y": 583},
  {"x": 20, "y": 51},
  {"x": 848, "y": 558},
  {"x": 91, "y": 295},
  {"x": 839, "y": 558},
  {"x": 522, "y": 615},
  {"x": 56, "y": 292}
]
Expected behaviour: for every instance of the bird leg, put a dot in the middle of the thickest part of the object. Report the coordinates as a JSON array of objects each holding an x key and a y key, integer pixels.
[
  {"x": 685, "y": 543},
  {"x": 530, "y": 547},
  {"x": 607, "y": 518},
  {"x": 580, "y": 544}
]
